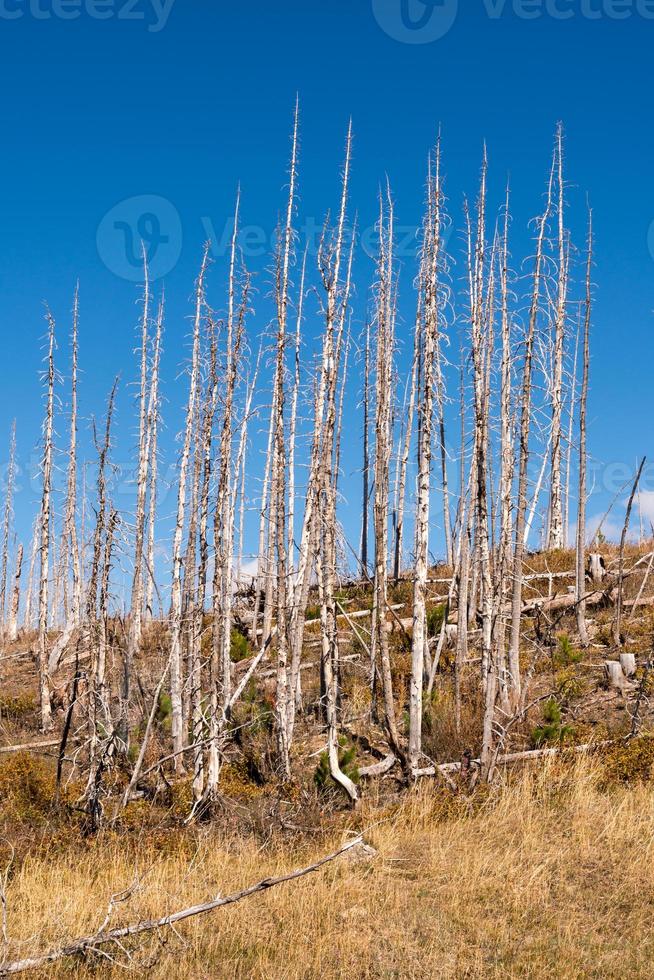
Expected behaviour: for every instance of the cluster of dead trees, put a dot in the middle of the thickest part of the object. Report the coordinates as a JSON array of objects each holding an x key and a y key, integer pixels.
[{"x": 468, "y": 489}]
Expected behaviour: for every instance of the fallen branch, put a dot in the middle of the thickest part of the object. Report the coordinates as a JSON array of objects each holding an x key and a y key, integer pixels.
[
  {"x": 90, "y": 944},
  {"x": 27, "y": 746},
  {"x": 504, "y": 760}
]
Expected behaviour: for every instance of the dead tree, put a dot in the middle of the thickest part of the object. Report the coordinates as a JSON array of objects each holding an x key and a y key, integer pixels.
[
  {"x": 69, "y": 542},
  {"x": 145, "y": 435},
  {"x": 153, "y": 429},
  {"x": 330, "y": 258},
  {"x": 177, "y": 558},
  {"x": 385, "y": 324},
  {"x": 6, "y": 527},
  {"x": 98, "y": 708},
  {"x": 480, "y": 335},
  {"x": 223, "y": 577},
  {"x": 556, "y": 532},
  {"x": 45, "y": 531},
  {"x": 12, "y": 623},
  {"x": 28, "y": 619},
  {"x": 580, "y": 563},
  {"x": 365, "y": 473},
  {"x": 617, "y": 636},
  {"x": 426, "y": 342},
  {"x": 279, "y": 503},
  {"x": 293, "y": 422},
  {"x": 515, "y": 681},
  {"x": 507, "y": 454},
  {"x": 195, "y": 660}
]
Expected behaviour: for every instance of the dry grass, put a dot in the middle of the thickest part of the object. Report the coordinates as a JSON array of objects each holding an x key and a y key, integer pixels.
[{"x": 550, "y": 877}]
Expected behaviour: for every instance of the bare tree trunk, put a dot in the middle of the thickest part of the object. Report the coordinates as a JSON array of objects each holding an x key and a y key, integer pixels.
[
  {"x": 6, "y": 526},
  {"x": 195, "y": 678},
  {"x": 428, "y": 312},
  {"x": 385, "y": 320},
  {"x": 507, "y": 458},
  {"x": 69, "y": 544},
  {"x": 96, "y": 615},
  {"x": 365, "y": 503},
  {"x": 525, "y": 420},
  {"x": 580, "y": 562},
  {"x": 337, "y": 298},
  {"x": 480, "y": 336},
  {"x": 189, "y": 583},
  {"x": 293, "y": 422},
  {"x": 263, "y": 557},
  {"x": 12, "y": 625},
  {"x": 285, "y": 697},
  {"x": 440, "y": 401},
  {"x": 568, "y": 450},
  {"x": 177, "y": 558},
  {"x": 401, "y": 481},
  {"x": 223, "y": 580},
  {"x": 145, "y": 434},
  {"x": 623, "y": 538},
  {"x": 28, "y": 619},
  {"x": 48, "y": 429},
  {"x": 153, "y": 429},
  {"x": 556, "y": 535}
]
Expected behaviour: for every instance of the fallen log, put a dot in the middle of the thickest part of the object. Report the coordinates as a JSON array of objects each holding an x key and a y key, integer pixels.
[
  {"x": 29, "y": 746},
  {"x": 447, "y": 768},
  {"x": 90, "y": 944}
]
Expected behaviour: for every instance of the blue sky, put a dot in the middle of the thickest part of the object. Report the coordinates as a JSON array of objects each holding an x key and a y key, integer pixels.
[{"x": 183, "y": 102}]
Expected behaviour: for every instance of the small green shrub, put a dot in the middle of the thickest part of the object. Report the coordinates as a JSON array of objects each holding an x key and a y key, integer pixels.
[
  {"x": 565, "y": 654},
  {"x": 239, "y": 647},
  {"x": 435, "y": 617},
  {"x": 165, "y": 711},
  {"x": 346, "y": 761},
  {"x": 552, "y": 731}
]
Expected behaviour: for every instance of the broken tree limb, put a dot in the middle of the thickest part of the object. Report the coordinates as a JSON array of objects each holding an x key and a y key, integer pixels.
[
  {"x": 379, "y": 768},
  {"x": 446, "y": 768},
  {"x": 29, "y": 746},
  {"x": 89, "y": 944}
]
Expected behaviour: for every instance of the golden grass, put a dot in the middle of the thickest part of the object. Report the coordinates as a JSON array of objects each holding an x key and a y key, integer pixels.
[{"x": 550, "y": 877}]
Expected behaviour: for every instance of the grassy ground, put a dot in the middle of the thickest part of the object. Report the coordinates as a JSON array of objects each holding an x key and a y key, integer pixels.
[
  {"x": 552, "y": 876},
  {"x": 547, "y": 875}
]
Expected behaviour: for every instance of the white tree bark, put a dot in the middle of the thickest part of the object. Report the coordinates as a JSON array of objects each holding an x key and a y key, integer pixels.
[
  {"x": 428, "y": 313},
  {"x": 45, "y": 531},
  {"x": 6, "y": 526},
  {"x": 177, "y": 558},
  {"x": 556, "y": 533},
  {"x": 515, "y": 680}
]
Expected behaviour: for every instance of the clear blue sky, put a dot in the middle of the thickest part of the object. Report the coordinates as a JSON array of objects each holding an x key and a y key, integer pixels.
[{"x": 97, "y": 111}]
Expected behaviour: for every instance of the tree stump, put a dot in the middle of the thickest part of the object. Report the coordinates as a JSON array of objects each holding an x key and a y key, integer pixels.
[
  {"x": 596, "y": 568},
  {"x": 628, "y": 664},
  {"x": 615, "y": 675}
]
